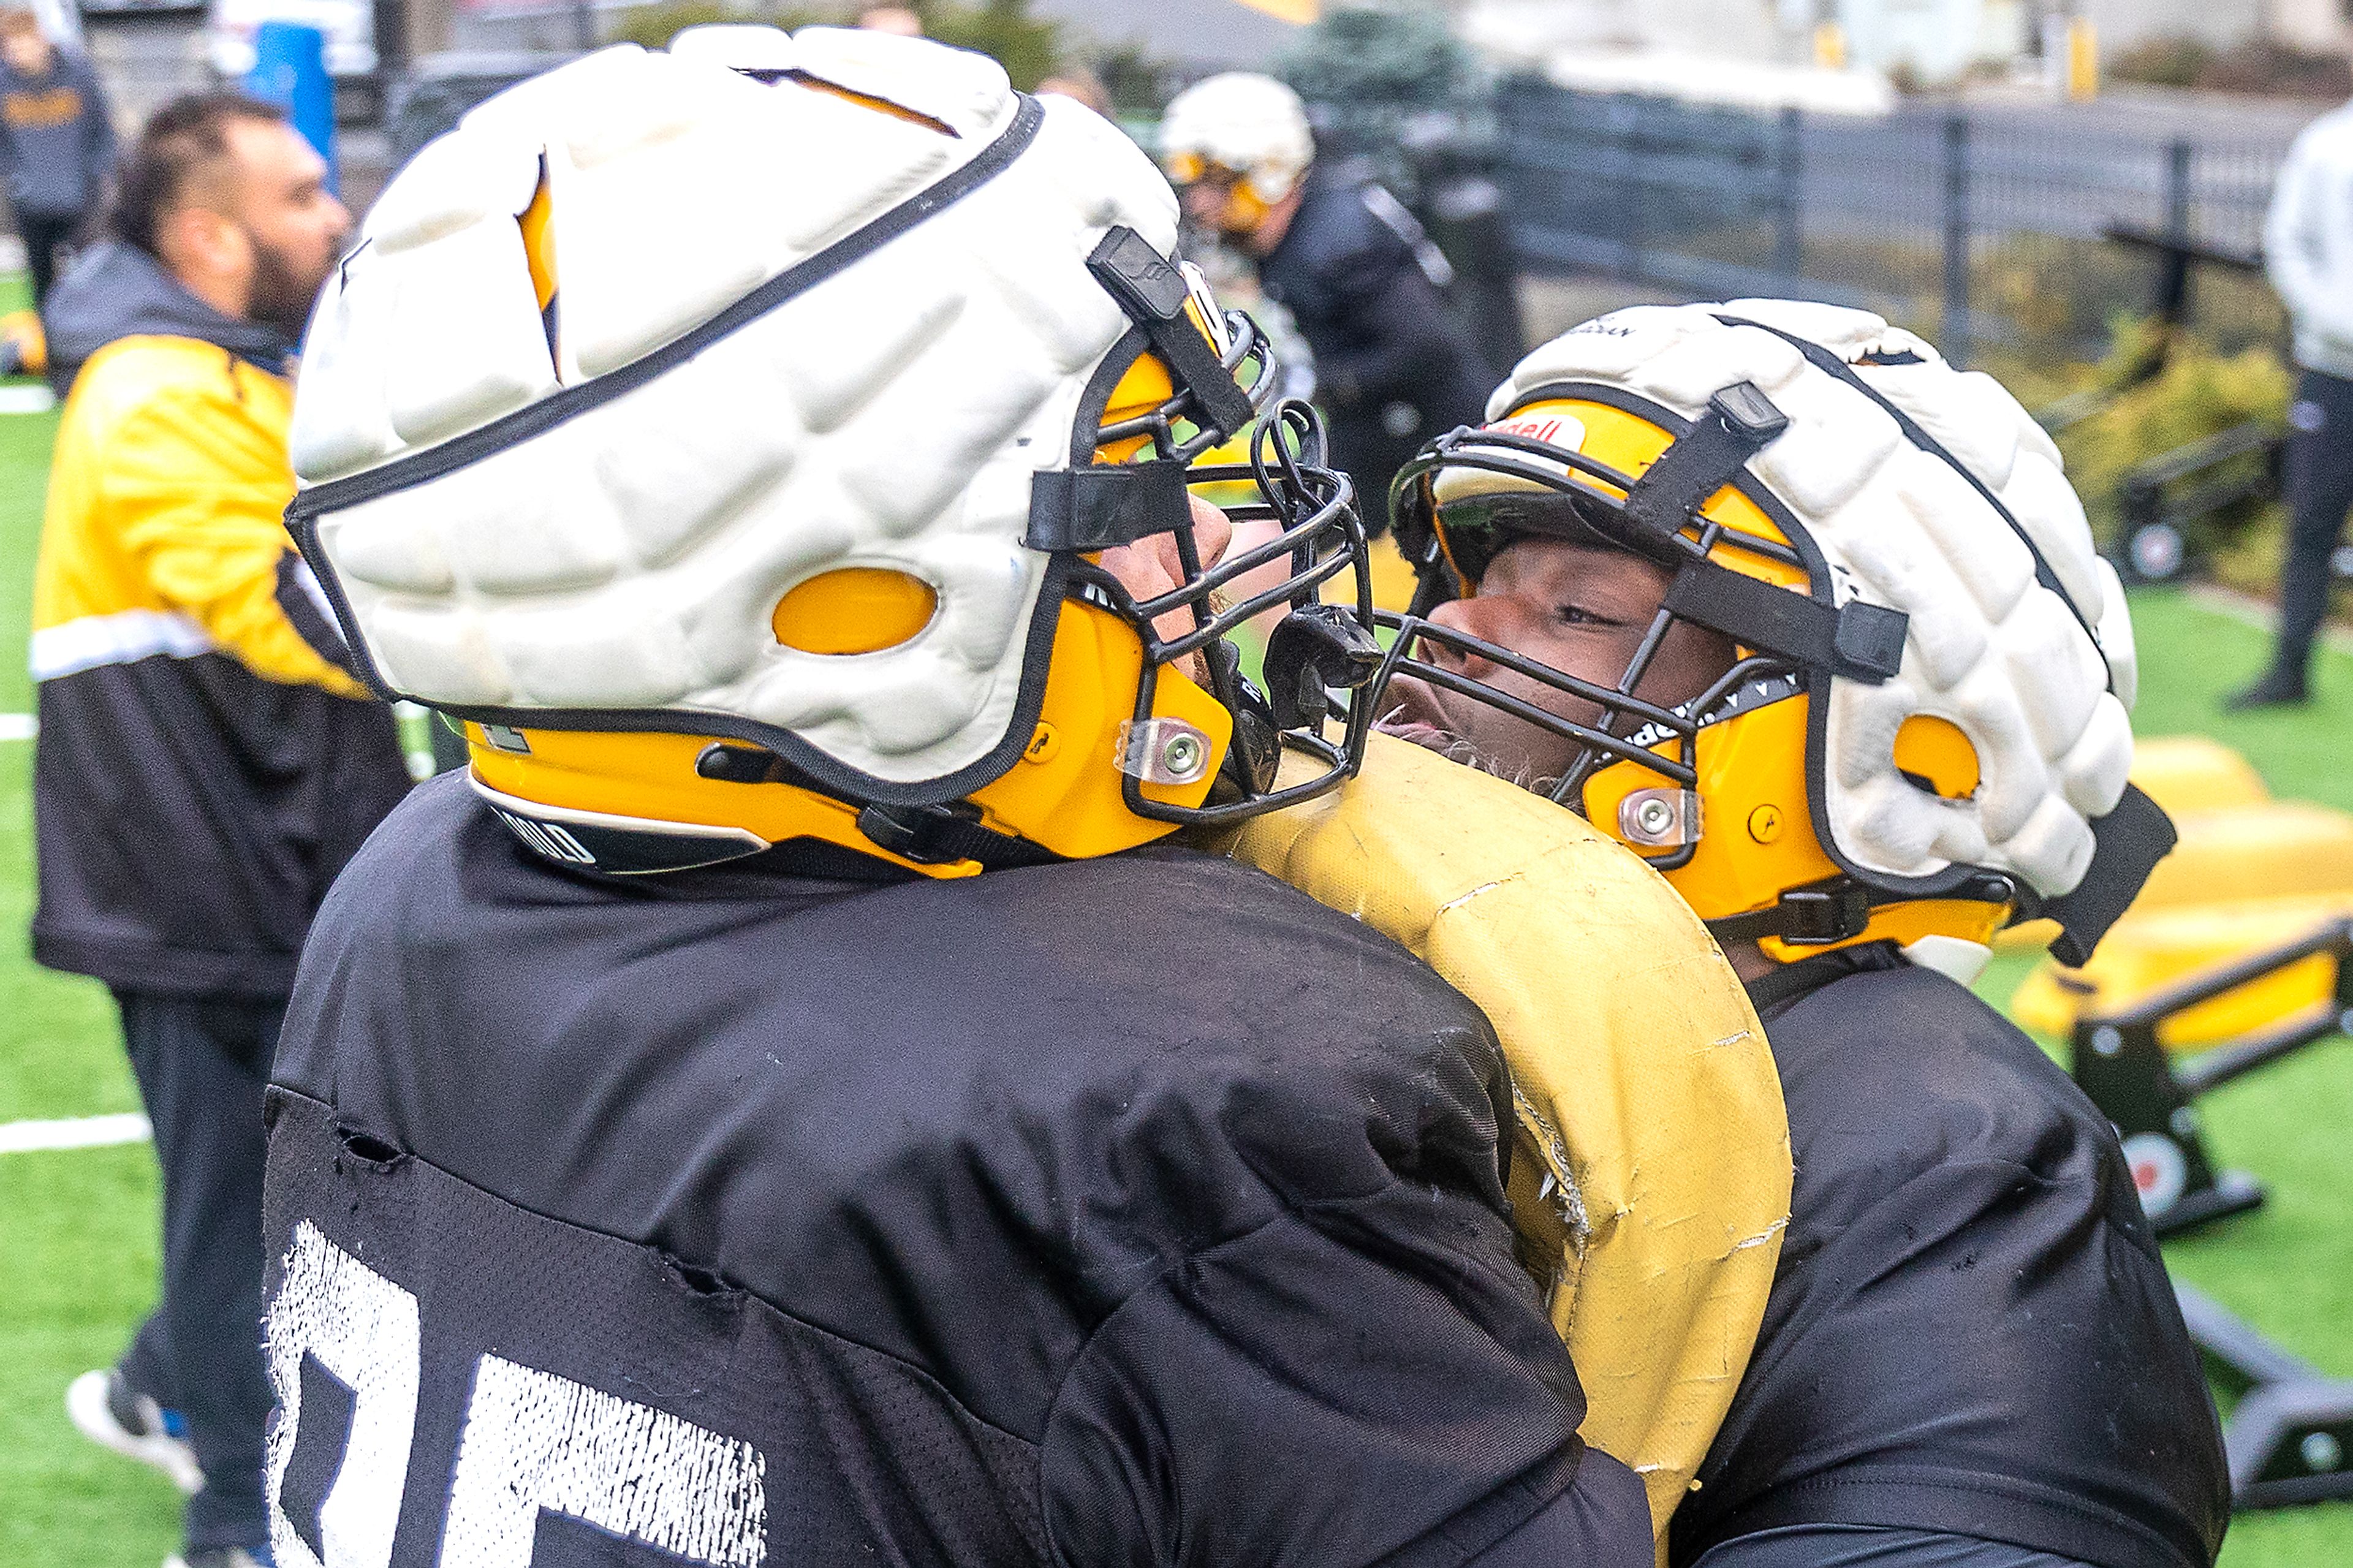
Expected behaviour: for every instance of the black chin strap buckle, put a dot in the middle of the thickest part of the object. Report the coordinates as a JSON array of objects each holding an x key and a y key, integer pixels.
[
  {"x": 941, "y": 834},
  {"x": 1812, "y": 916},
  {"x": 1836, "y": 910}
]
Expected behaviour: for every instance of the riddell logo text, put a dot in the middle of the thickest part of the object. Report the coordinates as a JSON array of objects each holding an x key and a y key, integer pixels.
[{"x": 1552, "y": 429}]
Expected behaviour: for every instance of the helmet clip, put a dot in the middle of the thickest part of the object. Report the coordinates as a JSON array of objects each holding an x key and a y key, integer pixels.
[
  {"x": 1660, "y": 818},
  {"x": 1830, "y": 911},
  {"x": 1153, "y": 292},
  {"x": 1164, "y": 750},
  {"x": 1740, "y": 422}
]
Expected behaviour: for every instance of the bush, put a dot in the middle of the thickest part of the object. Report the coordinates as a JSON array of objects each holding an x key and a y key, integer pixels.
[
  {"x": 2255, "y": 66},
  {"x": 2280, "y": 70},
  {"x": 2200, "y": 394},
  {"x": 1392, "y": 86},
  {"x": 1027, "y": 46},
  {"x": 2164, "y": 62}
]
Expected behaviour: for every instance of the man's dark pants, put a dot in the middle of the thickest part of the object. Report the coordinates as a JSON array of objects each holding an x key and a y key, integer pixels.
[
  {"x": 44, "y": 234},
  {"x": 202, "y": 1065},
  {"x": 2319, "y": 493}
]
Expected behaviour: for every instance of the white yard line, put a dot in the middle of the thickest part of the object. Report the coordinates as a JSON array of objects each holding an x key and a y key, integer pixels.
[
  {"x": 17, "y": 726},
  {"x": 74, "y": 1132}
]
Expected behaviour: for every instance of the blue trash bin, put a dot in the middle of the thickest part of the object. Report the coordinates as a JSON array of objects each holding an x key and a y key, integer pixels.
[{"x": 289, "y": 68}]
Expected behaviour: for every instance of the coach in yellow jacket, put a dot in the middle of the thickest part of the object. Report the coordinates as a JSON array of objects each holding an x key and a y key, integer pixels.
[{"x": 205, "y": 762}]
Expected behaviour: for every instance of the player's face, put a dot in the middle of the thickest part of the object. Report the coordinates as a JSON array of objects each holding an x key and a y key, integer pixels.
[
  {"x": 1211, "y": 202},
  {"x": 1152, "y": 567},
  {"x": 295, "y": 228},
  {"x": 1577, "y": 609}
]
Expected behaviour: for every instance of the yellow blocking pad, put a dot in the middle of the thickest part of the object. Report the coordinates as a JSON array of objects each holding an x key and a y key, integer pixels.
[
  {"x": 1650, "y": 1175},
  {"x": 2249, "y": 873},
  {"x": 2282, "y": 848},
  {"x": 2154, "y": 947},
  {"x": 2191, "y": 773}
]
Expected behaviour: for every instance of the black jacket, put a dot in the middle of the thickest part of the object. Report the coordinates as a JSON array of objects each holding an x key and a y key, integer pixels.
[
  {"x": 1970, "y": 1329},
  {"x": 1070, "y": 1215},
  {"x": 1394, "y": 363}
]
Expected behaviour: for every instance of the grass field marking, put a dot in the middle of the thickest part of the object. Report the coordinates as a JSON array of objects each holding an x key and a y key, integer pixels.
[
  {"x": 74, "y": 1132},
  {"x": 18, "y": 726}
]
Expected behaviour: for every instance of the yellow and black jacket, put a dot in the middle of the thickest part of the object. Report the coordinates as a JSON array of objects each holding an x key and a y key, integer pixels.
[{"x": 205, "y": 762}]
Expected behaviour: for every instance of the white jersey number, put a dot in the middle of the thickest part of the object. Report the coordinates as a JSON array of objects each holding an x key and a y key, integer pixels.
[{"x": 532, "y": 1442}]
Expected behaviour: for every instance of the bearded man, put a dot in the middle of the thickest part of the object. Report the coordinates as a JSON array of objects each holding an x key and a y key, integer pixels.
[{"x": 206, "y": 762}]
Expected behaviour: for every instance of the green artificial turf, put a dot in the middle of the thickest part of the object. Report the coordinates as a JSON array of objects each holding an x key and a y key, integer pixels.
[{"x": 78, "y": 1229}]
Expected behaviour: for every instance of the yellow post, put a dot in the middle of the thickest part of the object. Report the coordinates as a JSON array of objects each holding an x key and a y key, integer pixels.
[
  {"x": 1830, "y": 46},
  {"x": 2083, "y": 60}
]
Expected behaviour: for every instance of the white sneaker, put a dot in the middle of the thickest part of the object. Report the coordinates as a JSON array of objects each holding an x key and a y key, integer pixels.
[
  {"x": 103, "y": 1409},
  {"x": 219, "y": 1557}
]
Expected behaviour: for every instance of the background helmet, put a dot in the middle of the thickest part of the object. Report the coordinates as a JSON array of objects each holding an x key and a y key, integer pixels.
[
  {"x": 1243, "y": 126},
  {"x": 733, "y": 455},
  {"x": 1924, "y": 733}
]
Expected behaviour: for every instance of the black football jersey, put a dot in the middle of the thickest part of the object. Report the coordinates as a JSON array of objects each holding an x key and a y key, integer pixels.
[
  {"x": 1130, "y": 1211},
  {"x": 1970, "y": 1329}
]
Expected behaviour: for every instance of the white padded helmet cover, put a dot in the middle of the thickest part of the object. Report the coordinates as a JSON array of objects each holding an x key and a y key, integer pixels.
[
  {"x": 1242, "y": 120},
  {"x": 1988, "y": 646},
  {"x": 630, "y": 557}
]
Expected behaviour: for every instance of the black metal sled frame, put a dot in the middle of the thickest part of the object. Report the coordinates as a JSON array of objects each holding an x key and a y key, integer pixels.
[{"x": 2290, "y": 1438}]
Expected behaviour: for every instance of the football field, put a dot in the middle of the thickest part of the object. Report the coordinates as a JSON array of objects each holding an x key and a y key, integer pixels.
[{"x": 78, "y": 1228}]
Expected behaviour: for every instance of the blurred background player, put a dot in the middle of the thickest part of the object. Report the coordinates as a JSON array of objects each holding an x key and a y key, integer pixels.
[
  {"x": 2309, "y": 251},
  {"x": 206, "y": 761},
  {"x": 769, "y": 1109},
  {"x": 57, "y": 143},
  {"x": 1393, "y": 365},
  {"x": 1860, "y": 691},
  {"x": 900, "y": 21}
]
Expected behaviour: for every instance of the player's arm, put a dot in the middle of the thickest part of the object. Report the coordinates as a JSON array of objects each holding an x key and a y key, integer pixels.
[
  {"x": 196, "y": 496},
  {"x": 1367, "y": 1376}
]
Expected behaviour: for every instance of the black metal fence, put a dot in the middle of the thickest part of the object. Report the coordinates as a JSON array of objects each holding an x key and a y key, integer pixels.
[{"x": 1981, "y": 228}]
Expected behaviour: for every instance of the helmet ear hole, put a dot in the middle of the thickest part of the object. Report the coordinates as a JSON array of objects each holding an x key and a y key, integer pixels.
[
  {"x": 1936, "y": 756},
  {"x": 854, "y": 609}
]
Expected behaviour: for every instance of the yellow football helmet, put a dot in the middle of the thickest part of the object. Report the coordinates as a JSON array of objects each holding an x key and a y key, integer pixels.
[
  {"x": 1922, "y": 733},
  {"x": 1243, "y": 132},
  {"x": 722, "y": 526}
]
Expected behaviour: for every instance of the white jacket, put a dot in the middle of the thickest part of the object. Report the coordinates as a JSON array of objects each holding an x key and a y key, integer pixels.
[{"x": 2308, "y": 242}]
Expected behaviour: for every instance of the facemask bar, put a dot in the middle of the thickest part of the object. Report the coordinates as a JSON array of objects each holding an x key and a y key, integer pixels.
[
  {"x": 1595, "y": 516},
  {"x": 1324, "y": 538},
  {"x": 1656, "y": 516}
]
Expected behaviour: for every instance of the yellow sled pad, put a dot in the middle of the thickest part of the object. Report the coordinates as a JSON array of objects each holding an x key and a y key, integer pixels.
[{"x": 1650, "y": 1175}]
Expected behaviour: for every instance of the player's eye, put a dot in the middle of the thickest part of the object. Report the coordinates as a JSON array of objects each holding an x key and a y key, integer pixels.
[{"x": 1578, "y": 615}]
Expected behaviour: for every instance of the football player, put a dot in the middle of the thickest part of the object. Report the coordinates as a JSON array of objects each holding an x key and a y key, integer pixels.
[
  {"x": 757, "y": 1113},
  {"x": 1366, "y": 287},
  {"x": 1813, "y": 623}
]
